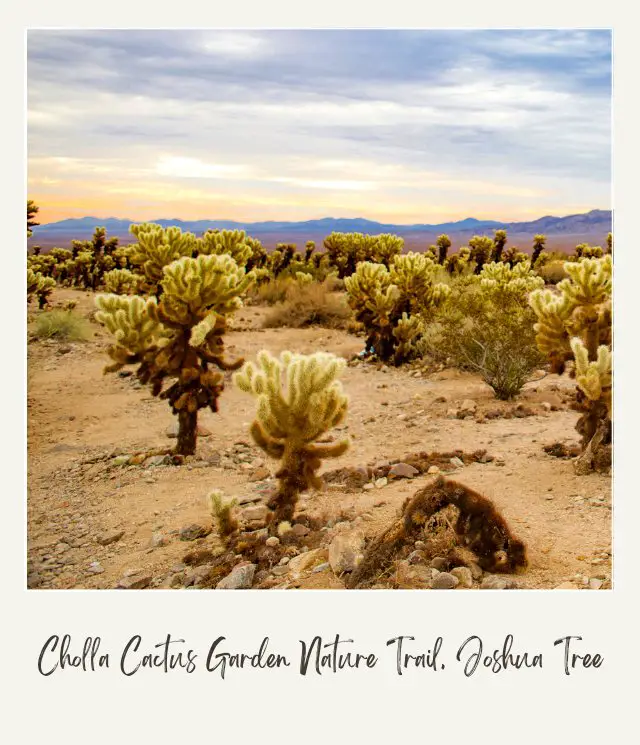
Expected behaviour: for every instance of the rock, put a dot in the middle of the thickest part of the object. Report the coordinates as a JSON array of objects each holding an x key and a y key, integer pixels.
[
  {"x": 546, "y": 406},
  {"x": 439, "y": 563},
  {"x": 240, "y": 578},
  {"x": 595, "y": 584},
  {"x": 158, "y": 540},
  {"x": 402, "y": 471},
  {"x": 194, "y": 531},
  {"x": 464, "y": 576},
  {"x": 467, "y": 407},
  {"x": 476, "y": 571},
  {"x": 280, "y": 570},
  {"x": 456, "y": 462},
  {"x": 95, "y": 568},
  {"x": 107, "y": 538},
  {"x": 260, "y": 474},
  {"x": 302, "y": 563},
  {"x": 272, "y": 541},
  {"x": 300, "y": 530},
  {"x": 409, "y": 577},
  {"x": 321, "y": 568},
  {"x": 452, "y": 413},
  {"x": 345, "y": 552},
  {"x": 120, "y": 460},
  {"x": 493, "y": 582},
  {"x": 433, "y": 470},
  {"x": 416, "y": 557},
  {"x": 380, "y": 483},
  {"x": 444, "y": 581},
  {"x": 156, "y": 460},
  {"x": 135, "y": 582},
  {"x": 369, "y": 486},
  {"x": 256, "y": 512}
]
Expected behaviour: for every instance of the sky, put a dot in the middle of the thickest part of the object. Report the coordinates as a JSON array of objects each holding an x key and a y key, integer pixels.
[{"x": 396, "y": 126}]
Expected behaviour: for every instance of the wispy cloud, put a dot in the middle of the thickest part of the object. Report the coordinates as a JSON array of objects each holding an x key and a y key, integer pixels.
[{"x": 379, "y": 123}]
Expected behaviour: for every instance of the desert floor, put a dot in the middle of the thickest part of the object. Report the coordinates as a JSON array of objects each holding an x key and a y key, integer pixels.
[{"x": 80, "y": 420}]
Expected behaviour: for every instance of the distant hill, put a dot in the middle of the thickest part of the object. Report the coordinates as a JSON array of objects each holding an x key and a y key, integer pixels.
[{"x": 590, "y": 225}]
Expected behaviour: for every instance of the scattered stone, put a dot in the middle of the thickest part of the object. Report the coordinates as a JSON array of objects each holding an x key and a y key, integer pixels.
[
  {"x": 300, "y": 530},
  {"x": 433, "y": 470},
  {"x": 158, "y": 540},
  {"x": 120, "y": 460},
  {"x": 467, "y": 407},
  {"x": 381, "y": 482},
  {"x": 320, "y": 568},
  {"x": 256, "y": 512},
  {"x": 156, "y": 460},
  {"x": 107, "y": 538},
  {"x": 346, "y": 552},
  {"x": 192, "y": 532},
  {"x": 402, "y": 471},
  {"x": 444, "y": 581},
  {"x": 456, "y": 462},
  {"x": 135, "y": 582},
  {"x": 302, "y": 563},
  {"x": 493, "y": 582},
  {"x": 595, "y": 583},
  {"x": 419, "y": 545},
  {"x": 408, "y": 576},
  {"x": 416, "y": 557},
  {"x": 476, "y": 571},
  {"x": 439, "y": 563},
  {"x": 368, "y": 487},
  {"x": 464, "y": 576},
  {"x": 240, "y": 578},
  {"x": 260, "y": 474},
  {"x": 272, "y": 541}
]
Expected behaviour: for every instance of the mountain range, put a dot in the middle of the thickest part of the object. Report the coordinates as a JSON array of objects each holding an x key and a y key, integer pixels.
[{"x": 596, "y": 223}]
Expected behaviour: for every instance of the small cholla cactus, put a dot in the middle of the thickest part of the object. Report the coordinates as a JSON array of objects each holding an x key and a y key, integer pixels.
[
  {"x": 121, "y": 282},
  {"x": 481, "y": 248},
  {"x": 585, "y": 251},
  {"x": 222, "y": 512},
  {"x": 539, "y": 242},
  {"x": 299, "y": 400},
  {"x": 499, "y": 242},
  {"x": 309, "y": 248},
  {"x": 39, "y": 286},
  {"x": 609, "y": 243},
  {"x": 443, "y": 244},
  {"x": 231, "y": 242},
  {"x": 512, "y": 256},
  {"x": 502, "y": 279},
  {"x": 457, "y": 263},
  {"x": 576, "y": 324},
  {"x": 179, "y": 336},
  {"x": 346, "y": 250}
]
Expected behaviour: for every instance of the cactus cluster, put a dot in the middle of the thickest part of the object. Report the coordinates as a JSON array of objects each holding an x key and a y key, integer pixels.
[
  {"x": 576, "y": 324},
  {"x": 346, "y": 250},
  {"x": 40, "y": 286},
  {"x": 392, "y": 304},
  {"x": 179, "y": 334},
  {"x": 299, "y": 399}
]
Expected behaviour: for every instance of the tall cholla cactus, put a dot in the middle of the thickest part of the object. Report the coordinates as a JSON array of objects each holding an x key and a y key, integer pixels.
[
  {"x": 576, "y": 324},
  {"x": 179, "y": 335},
  {"x": 458, "y": 262},
  {"x": 586, "y": 251},
  {"x": 157, "y": 247},
  {"x": 539, "y": 243},
  {"x": 481, "y": 248},
  {"x": 121, "y": 282},
  {"x": 299, "y": 400},
  {"x": 443, "y": 244},
  {"x": 231, "y": 242},
  {"x": 499, "y": 242}
]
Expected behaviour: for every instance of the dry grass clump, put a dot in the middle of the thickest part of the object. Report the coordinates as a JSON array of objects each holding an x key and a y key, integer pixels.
[
  {"x": 553, "y": 272},
  {"x": 63, "y": 325},
  {"x": 309, "y": 305},
  {"x": 271, "y": 292}
]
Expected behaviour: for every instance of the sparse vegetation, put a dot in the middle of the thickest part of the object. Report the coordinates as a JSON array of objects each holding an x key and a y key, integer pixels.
[{"x": 61, "y": 325}]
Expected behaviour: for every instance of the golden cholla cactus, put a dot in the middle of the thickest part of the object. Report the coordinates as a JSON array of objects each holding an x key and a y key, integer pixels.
[
  {"x": 346, "y": 250},
  {"x": 413, "y": 274},
  {"x": 157, "y": 247},
  {"x": 585, "y": 251},
  {"x": 39, "y": 286},
  {"x": 502, "y": 279},
  {"x": 231, "y": 242},
  {"x": 406, "y": 332},
  {"x": 180, "y": 335},
  {"x": 593, "y": 377},
  {"x": 578, "y": 317},
  {"x": 539, "y": 243},
  {"x": 121, "y": 282},
  {"x": 481, "y": 248},
  {"x": 499, "y": 242},
  {"x": 458, "y": 262},
  {"x": 299, "y": 400}
]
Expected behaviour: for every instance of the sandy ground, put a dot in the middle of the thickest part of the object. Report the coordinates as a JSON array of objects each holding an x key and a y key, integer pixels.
[{"x": 78, "y": 419}]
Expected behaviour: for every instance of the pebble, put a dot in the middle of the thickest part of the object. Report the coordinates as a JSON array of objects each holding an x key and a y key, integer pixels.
[
  {"x": 158, "y": 540},
  {"x": 135, "y": 582},
  {"x": 433, "y": 470},
  {"x": 272, "y": 541},
  {"x": 439, "y": 563},
  {"x": 456, "y": 462},
  {"x": 381, "y": 482},
  {"x": 464, "y": 576},
  {"x": 107, "y": 538},
  {"x": 444, "y": 581},
  {"x": 493, "y": 582},
  {"x": 240, "y": 578},
  {"x": 346, "y": 552},
  {"x": 402, "y": 470},
  {"x": 194, "y": 531},
  {"x": 95, "y": 568}
]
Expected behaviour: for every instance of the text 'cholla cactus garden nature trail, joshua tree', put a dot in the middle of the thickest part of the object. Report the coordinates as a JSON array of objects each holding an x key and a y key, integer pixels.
[
  {"x": 299, "y": 400},
  {"x": 180, "y": 335}
]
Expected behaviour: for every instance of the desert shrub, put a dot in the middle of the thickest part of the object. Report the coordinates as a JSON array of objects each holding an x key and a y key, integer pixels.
[
  {"x": 271, "y": 292},
  {"x": 63, "y": 325},
  {"x": 486, "y": 327},
  {"x": 309, "y": 304},
  {"x": 552, "y": 272}
]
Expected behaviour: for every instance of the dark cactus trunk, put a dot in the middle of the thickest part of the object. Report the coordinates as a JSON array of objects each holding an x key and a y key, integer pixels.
[{"x": 187, "y": 432}]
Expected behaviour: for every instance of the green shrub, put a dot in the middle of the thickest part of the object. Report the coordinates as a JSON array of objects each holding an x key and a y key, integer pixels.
[{"x": 63, "y": 325}]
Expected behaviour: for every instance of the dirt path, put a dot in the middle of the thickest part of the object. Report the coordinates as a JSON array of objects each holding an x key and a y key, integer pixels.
[{"x": 76, "y": 414}]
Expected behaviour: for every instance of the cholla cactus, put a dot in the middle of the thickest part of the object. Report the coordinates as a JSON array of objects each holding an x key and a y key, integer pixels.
[
  {"x": 179, "y": 336},
  {"x": 231, "y": 242},
  {"x": 578, "y": 319},
  {"x": 93, "y": 258},
  {"x": 39, "y": 286},
  {"x": 443, "y": 244},
  {"x": 512, "y": 256},
  {"x": 539, "y": 243},
  {"x": 346, "y": 250},
  {"x": 381, "y": 297},
  {"x": 222, "y": 512},
  {"x": 302, "y": 278},
  {"x": 502, "y": 279},
  {"x": 609, "y": 243},
  {"x": 299, "y": 400},
  {"x": 457, "y": 263},
  {"x": 585, "y": 251},
  {"x": 309, "y": 248},
  {"x": 121, "y": 282},
  {"x": 32, "y": 211},
  {"x": 499, "y": 242},
  {"x": 157, "y": 247},
  {"x": 481, "y": 248},
  {"x": 407, "y": 332}
]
